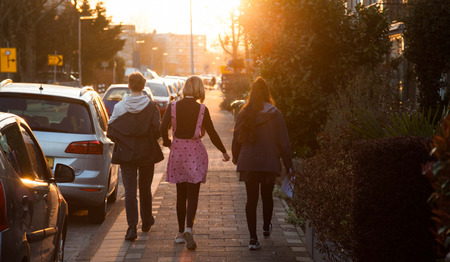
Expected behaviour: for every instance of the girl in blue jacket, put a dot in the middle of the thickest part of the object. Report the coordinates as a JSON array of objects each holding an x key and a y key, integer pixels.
[{"x": 260, "y": 138}]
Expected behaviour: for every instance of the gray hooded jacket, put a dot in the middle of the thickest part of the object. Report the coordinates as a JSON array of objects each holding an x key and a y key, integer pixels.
[{"x": 272, "y": 142}]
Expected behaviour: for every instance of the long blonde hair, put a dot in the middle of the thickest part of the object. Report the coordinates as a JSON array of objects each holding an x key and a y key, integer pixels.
[{"x": 194, "y": 87}]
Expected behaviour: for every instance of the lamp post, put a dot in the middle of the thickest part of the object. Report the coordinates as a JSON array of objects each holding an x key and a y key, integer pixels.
[
  {"x": 192, "y": 40},
  {"x": 79, "y": 45},
  {"x": 164, "y": 63},
  {"x": 153, "y": 49}
]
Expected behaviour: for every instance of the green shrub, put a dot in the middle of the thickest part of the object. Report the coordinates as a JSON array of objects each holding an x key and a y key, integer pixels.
[
  {"x": 390, "y": 215},
  {"x": 236, "y": 87},
  {"x": 322, "y": 195},
  {"x": 418, "y": 124},
  {"x": 369, "y": 91},
  {"x": 368, "y": 201},
  {"x": 438, "y": 173}
]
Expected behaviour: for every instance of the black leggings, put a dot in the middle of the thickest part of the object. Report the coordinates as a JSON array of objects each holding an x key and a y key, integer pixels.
[
  {"x": 252, "y": 204},
  {"x": 187, "y": 192}
]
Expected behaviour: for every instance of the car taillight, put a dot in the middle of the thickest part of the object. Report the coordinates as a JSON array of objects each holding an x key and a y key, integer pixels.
[
  {"x": 3, "y": 221},
  {"x": 85, "y": 147}
]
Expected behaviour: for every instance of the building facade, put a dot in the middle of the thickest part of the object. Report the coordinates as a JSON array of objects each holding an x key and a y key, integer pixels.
[{"x": 176, "y": 59}]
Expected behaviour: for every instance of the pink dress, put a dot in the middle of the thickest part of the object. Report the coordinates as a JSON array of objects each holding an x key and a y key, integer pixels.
[{"x": 188, "y": 160}]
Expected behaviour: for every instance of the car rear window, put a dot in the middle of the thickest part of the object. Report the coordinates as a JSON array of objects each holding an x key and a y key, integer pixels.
[
  {"x": 116, "y": 94},
  {"x": 158, "y": 89},
  {"x": 50, "y": 115}
]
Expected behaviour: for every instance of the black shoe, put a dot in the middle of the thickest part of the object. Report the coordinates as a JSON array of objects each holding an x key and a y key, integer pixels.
[
  {"x": 254, "y": 244},
  {"x": 147, "y": 225},
  {"x": 131, "y": 233},
  {"x": 266, "y": 233}
]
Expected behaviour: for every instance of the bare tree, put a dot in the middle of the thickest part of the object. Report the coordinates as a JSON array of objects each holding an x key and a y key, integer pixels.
[{"x": 230, "y": 43}]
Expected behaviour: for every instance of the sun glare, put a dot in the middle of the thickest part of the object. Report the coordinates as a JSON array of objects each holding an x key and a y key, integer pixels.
[{"x": 172, "y": 16}]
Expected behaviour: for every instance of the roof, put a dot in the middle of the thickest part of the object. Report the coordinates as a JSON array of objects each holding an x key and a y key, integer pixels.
[{"x": 44, "y": 89}]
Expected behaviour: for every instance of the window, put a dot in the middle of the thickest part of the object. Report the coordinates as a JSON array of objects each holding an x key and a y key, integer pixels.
[
  {"x": 23, "y": 153},
  {"x": 36, "y": 157},
  {"x": 52, "y": 115},
  {"x": 101, "y": 114}
]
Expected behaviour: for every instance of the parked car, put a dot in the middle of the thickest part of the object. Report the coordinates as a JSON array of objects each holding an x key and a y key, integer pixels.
[
  {"x": 181, "y": 80},
  {"x": 70, "y": 124},
  {"x": 161, "y": 93},
  {"x": 176, "y": 84},
  {"x": 33, "y": 212},
  {"x": 116, "y": 92}
]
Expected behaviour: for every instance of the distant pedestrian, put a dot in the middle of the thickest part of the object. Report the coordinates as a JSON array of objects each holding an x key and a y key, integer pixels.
[
  {"x": 188, "y": 160},
  {"x": 260, "y": 137},
  {"x": 134, "y": 127}
]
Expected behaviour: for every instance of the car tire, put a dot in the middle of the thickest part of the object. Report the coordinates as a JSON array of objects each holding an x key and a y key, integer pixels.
[
  {"x": 97, "y": 214},
  {"x": 112, "y": 198}
]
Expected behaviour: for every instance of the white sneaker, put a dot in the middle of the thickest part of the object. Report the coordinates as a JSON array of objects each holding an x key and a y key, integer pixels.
[{"x": 180, "y": 238}]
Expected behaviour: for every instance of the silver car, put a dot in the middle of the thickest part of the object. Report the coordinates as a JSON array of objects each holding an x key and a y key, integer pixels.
[{"x": 70, "y": 124}]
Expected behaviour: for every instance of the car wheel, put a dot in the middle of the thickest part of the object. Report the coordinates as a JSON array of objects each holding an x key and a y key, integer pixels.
[
  {"x": 97, "y": 214},
  {"x": 61, "y": 241},
  {"x": 113, "y": 195}
]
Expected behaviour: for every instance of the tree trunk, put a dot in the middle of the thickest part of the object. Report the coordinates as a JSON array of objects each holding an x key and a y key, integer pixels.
[{"x": 29, "y": 72}]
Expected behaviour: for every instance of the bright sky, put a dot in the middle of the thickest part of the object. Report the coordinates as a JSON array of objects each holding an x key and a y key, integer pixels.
[{"x": 172, "y": 16}]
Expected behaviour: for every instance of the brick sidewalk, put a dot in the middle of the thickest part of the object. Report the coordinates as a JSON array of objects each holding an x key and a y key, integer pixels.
[{"x": 220, "y": 229}]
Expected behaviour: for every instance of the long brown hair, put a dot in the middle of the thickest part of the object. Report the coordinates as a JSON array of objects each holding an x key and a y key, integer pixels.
[{"x": 259, "y": 95}]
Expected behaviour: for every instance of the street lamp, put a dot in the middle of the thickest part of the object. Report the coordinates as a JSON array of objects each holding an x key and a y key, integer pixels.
[
  {"x": 192, "y": 41},
  {"x": 164, "y": 63},
  {"x": 153, "y": 49},
  {"x": 79, "y": 44}
]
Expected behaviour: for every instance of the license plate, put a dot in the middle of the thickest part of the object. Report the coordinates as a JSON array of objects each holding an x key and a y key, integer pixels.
[{"x": 50, "y": 161}]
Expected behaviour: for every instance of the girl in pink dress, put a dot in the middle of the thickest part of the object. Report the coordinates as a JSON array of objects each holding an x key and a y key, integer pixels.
[{"x": 188, "y": 160}]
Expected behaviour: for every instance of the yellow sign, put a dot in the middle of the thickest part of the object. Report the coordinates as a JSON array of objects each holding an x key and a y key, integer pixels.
[
  {"x": 55, "y": 60},
  {"x": 8, "y": 60},
  {"x": 224, "y": 70}
]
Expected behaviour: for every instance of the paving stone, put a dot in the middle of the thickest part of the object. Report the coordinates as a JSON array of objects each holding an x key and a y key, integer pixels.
[{"x": 220, "y": 228}]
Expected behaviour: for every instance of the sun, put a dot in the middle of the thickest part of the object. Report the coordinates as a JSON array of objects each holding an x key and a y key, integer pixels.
[{"x": 172, "y": 16}]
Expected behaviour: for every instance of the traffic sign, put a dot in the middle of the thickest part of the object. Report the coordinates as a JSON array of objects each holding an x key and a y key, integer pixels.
[
  {"x": 225, "y": 70},
  {"x": 8, "y": 60},
  {"x": 55, "y": 60}
]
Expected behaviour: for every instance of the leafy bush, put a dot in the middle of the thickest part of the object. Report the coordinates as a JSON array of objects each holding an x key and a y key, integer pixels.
[
  {"x": 390, "y": 215},
  {"x": 438, "y": 173},
  {"x": 307, "y": 50},
  {"x": 236, "y": 88},
  {"x": 419, "y": 124},
  {"x": 323, "y": 196},
  {"x": 368, "y": 201},
  {"x": 368, "y": 91}
]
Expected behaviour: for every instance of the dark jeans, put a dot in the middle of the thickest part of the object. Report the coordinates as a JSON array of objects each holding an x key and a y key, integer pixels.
[
  {"x": 129, "y": 178},
  {"x": 187, "y": 192},
  {"x": 252, "y": 204}
]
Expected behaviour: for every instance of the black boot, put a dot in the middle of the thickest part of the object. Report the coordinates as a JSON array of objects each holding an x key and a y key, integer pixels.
[
  {"x": 131, "y": 233},
  {"x": 146, "y": 225}
]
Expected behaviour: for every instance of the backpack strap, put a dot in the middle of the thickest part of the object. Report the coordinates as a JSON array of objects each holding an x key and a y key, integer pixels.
[
  {"x": 173, "y": 115},
  {"x": 198, "y": 127}
]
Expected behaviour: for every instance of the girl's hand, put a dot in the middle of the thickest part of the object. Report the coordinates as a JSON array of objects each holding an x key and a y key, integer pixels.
[{"x": 226, "y": 157}]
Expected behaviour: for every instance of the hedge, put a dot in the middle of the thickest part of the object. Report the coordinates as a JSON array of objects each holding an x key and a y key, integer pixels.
[{"x": 369, "y": 202}]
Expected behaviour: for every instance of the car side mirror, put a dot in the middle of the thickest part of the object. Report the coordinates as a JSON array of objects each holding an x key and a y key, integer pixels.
[{"x": 64, "y": 173}]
